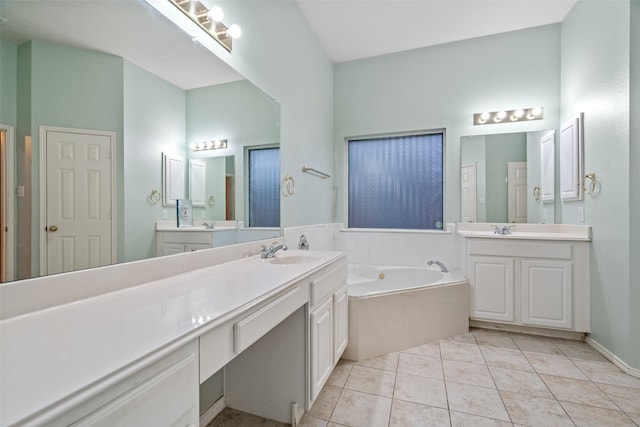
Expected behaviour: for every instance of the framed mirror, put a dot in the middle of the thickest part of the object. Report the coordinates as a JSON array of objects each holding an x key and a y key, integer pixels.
[
  {"x": 153, "y": 89},
  {"x": 502, "y": 177}
]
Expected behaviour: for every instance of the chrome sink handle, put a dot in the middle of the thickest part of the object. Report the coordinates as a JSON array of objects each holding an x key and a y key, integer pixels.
[{"x": 303, "y": 243}]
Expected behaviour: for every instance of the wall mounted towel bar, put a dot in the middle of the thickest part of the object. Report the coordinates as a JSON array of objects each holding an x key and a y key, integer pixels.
[{"x": 315, "y": 172}]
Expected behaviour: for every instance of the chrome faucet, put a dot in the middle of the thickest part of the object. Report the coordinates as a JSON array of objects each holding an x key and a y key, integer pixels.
[
  {"x": 505, "y": 229},
  {"x": 439, "y": 264},
  {"x": 303, "y": 244},
  {"x": 209, "y": 225},
  {"x": 270, "y": 252}
]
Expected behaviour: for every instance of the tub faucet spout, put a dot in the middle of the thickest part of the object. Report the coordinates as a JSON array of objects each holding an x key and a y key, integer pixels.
[{"x": 439, "y": 264}]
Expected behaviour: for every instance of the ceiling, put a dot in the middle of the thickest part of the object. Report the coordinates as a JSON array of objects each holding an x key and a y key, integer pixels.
[
  {"x": 346, "y": 29},
  {"x": 354, "y": 29}
]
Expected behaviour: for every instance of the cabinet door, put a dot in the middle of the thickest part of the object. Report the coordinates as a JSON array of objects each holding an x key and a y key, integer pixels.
[
  {"x": 492, "y": 288},
  {"x": 321, "y": 346},
  {"x": 341, "y": 322},
  {"x": 547, "y": 293}
]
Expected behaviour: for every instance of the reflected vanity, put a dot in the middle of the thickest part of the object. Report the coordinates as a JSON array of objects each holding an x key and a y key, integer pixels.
[
  {"x": 152, "y": 106},
  {"x": 508, "y": 178}
]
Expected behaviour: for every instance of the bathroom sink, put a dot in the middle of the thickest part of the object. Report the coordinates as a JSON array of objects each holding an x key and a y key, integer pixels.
[{"x": 293, "y": 259}]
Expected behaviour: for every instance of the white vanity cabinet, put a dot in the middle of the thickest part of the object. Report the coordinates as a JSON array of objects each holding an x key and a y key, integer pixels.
[
  {"x": 328, "y": 323},
  {"x": 533, "y": 283},
  {"x": 164, "y": 393},
  {"x": 175, "y": 242}
]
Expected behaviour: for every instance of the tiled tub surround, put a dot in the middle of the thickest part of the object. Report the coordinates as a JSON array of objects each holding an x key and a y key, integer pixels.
[
  {"x": 58, "y": 353},
  {"x": 482, "y": 378},
  {"x": 394, "y": 308}
]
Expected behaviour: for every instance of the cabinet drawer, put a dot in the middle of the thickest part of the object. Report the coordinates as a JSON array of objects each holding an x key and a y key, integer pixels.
[
  {"x": 520, "y": 248},
  {"x": 192, "y": 237},
  {"x": 166, "y": 399},
  {"x": 325, "y": 282},
  {"x": 251, "y": 328}
]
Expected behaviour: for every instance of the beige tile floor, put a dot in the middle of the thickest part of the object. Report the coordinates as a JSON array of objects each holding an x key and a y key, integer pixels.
[{"x": 482, "y": 378}]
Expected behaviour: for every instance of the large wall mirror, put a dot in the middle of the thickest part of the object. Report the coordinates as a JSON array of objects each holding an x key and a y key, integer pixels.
[
  {"x": 502, "y": 178},
  {"x": 134, "y": 76}
]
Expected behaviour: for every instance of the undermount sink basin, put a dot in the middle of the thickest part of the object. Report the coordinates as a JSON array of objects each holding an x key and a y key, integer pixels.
[{"x": 293, "y": 259}]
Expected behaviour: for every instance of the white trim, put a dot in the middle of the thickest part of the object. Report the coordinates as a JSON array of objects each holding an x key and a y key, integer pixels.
[
  {"x": 43, "y": 182},
  {"x": 613, "y": 358},
  {"x": 10, "y": 203},
  {"x": 212, "y": 412}
]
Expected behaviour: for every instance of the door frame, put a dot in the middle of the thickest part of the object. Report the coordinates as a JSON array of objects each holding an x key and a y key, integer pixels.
[
  {"x": 43, "y": 185},
  {"x": 473, "y": 166},
  {"x": 9, "y": 203}
]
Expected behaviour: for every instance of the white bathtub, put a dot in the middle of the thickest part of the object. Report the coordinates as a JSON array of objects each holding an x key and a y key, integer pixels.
[{"x": 395, "y": 308}]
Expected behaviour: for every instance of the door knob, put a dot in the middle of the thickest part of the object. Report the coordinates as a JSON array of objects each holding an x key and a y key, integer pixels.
[{"x": 53, "y": 229}]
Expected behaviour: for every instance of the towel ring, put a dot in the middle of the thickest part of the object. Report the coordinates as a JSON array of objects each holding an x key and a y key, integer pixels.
[
  {"x": 589, "y": 183},
  {"x": 154, "y": 197},
  {"x": 211, "y": 200},
  {"x": 288, "y": 186},
  {"x": 536, "y": 193}
]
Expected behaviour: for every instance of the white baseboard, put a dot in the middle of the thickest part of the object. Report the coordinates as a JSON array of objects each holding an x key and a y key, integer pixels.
[
  {"x": 613, "y": 358},
  {"x": 212, "y": 412}
]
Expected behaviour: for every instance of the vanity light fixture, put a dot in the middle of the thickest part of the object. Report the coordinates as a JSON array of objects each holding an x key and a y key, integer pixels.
[
  {"x": 209, "y": 145},
  {"x": 210, "y": 20},
  {"x": 506, "y": 116}
]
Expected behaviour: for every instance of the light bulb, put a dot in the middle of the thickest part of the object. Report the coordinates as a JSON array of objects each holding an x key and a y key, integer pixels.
[
  {"x": 501, "y": 115},
  {"x": 518, "y": 113},
  {"x": 485, "y": 116},
  {"x": 234, "y": 31},
  {"x": 215, "y": 14},
  {"x": 535, "y": 112}
]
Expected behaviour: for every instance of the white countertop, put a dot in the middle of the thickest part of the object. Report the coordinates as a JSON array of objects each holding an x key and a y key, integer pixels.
[
  {"x": 50, "y": 354},
  {"x": 564, "y": 232}
]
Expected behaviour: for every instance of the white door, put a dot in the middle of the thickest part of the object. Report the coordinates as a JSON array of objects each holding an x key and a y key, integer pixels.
[
  {"x": 78, "y": 197},
  {"x": 517, "y": 191},
  {"x": 469, "y": 193}
]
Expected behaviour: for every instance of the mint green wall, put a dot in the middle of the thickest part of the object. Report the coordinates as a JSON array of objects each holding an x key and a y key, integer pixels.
[
  {"x": 8, "y": 83},
  {"x": 442, "y": 87},
  {"x": 279, "y": 54},
  {"x": 215, "y": 186},
  {"x": 75, "y": 88},
  {"x": 595, "y": 80},
  {"x": 154, "y": 122},
  {"x": 634, "y": 184},
  {"x": 238, "y": 112},
  {"x": 500, "y": 150}
]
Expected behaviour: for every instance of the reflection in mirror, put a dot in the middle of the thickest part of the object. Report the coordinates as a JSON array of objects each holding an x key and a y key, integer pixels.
[
  {"x": 498, "y": 177},
  {"x": 154, "y": 89}
]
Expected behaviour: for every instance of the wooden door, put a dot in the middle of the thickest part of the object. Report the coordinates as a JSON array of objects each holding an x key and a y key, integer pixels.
[
  {"x": 78, "y": 192},
  {"x": 469, "y": 191},
  {"x": 517, "y": 191}
]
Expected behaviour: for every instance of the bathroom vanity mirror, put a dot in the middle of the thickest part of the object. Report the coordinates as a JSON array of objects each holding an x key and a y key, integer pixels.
[
  {"x": 501, "y": 178},
  {"x": 145, "y": 82}
]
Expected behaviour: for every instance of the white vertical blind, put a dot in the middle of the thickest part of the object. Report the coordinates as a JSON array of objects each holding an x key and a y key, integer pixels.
[
  {"x": 396, "y": 182},
  {"x": 264, "y": 187}
]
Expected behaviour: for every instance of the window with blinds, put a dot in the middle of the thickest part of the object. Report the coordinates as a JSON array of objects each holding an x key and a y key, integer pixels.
[
  {"x": 396, "y": 182},
  {"x": 264, "y": 187}
]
